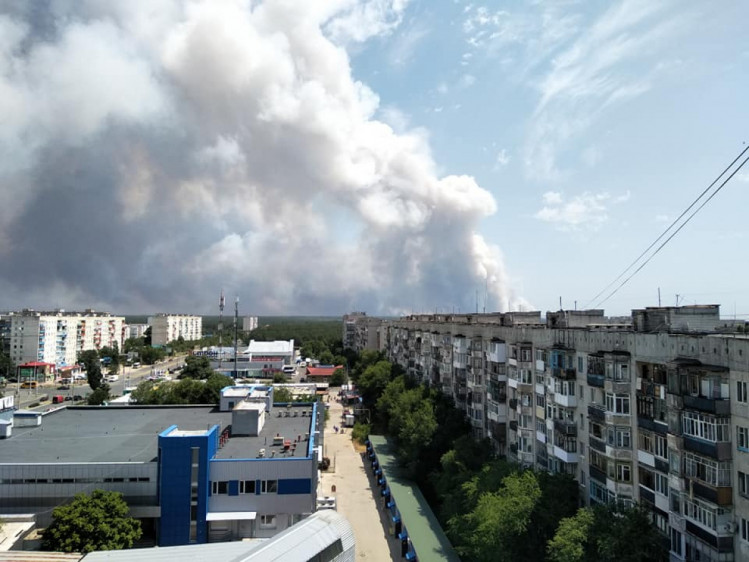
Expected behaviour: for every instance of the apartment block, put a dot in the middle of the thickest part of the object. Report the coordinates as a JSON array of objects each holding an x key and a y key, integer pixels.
[
  {"x": 650, "y": 409},
  {"x": 166, "y": 328},
  {"x": 249, "y": 323},
  {"x": 58, "y": 337},
  {"x": 362, "y": 332}
]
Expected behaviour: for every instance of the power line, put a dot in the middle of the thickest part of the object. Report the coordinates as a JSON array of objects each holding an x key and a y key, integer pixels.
[
  {"x": 682, "y": 225},
  {"x": 638, "y": 258}
]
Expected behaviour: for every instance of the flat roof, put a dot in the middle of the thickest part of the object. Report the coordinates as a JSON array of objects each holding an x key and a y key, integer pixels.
[
  {"x": 104, "y": 433},
  {"x": 425, "y": 532},
  {"x": 277, "y": 346},
  {"x": 280, "y": 421}
]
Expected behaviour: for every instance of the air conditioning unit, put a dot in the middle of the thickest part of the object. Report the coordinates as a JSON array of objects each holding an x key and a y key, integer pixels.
[{"x": 727, "y": 527}]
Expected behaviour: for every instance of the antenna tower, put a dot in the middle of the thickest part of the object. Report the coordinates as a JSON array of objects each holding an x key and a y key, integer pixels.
[{"x": 221, "y": 303}]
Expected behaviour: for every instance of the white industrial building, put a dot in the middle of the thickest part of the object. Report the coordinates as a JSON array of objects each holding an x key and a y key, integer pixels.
[
  {"x": 58, "y": 337},
  {"x": 166, "y": 328}
]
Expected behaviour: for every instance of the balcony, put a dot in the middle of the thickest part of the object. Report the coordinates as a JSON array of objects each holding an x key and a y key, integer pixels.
[
  {"x": 719, "y": 406},
  {"x": 597, "y": 474},
  {"x": 566, "y": 456},
  {"x": 596, "y": 412},
  {"x": 513, "y": 403},
  {"x": 719, "y": 496},
  {"x": 513, "y": 425},
  {"x": 566, "y": 427},
  {"x": 563, "y": 374},
  {"x": 595, "y": 380},
  {"x": 597, "y": 444},
  {"x": 719, "y": 451},
  {"x": 566, "y": 400}
]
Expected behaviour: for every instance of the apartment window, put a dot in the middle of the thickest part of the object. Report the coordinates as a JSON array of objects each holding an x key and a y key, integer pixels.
[
  {"x": 705, "y": 426},
  {"x": 580, "y": 367},
  {"x": 742, "y": 438},
  {"x": 582, "y": 422},
  {"x": 645, "y": 441},
  {"x": 221, "y": 487},
  {"x": 246, "y": 486},
  {"x": 268, "y": 521},
  {"x": 661, "y": 447},
  {"x": 540, "y": 400},
  {"x": 674, "y": 462},
  {"x": 743, "y": 483},
  {"x": 620, "y": 437},
  {"x": 676, "y": 542},
  {"x": 744, "y": 529},
  {"x": 702, "y": 513},
  {"x": 623, "y": 473},
  {"x": 707, "y": 470},
  {"x": 269, "y": 486},
  {"x": 741, "y": 394},
  {"x": 541, "y": 426},
  {"x": 661, "y": 484},
  {"x": 618, "y": 403}
]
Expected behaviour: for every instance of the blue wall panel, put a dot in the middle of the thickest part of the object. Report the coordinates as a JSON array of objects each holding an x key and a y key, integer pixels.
[
  {"x": 295, "y": 486},
  {"x": 233, "y": 487}
]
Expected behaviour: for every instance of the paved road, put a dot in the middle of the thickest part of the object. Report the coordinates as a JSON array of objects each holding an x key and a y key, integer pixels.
[
  {"x": 353, "y": 493},
  {"x": 127, "y": 377}
]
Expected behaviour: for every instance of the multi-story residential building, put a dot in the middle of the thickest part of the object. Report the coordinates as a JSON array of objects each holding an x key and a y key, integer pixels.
[
  {"x": 59, "y": 337},
  {"x": 249, "y": 323},
  {"x": 136, "y": 330},
  {"x": 362, "y": 332},
  {"x": 652, "y": 408},
  {"x": 169, "y": 327}
]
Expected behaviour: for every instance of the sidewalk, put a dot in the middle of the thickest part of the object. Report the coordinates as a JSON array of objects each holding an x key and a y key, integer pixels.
[{"x": 353, "y": 493}]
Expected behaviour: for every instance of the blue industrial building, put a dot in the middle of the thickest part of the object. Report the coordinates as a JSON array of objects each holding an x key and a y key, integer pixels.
[{"x": 192, "y": 474}]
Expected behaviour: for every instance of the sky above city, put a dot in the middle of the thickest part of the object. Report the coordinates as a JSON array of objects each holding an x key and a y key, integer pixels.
[{"x": 392, "y": 156}]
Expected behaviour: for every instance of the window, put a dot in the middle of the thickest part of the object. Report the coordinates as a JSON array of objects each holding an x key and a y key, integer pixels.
[
  {"x": 742, "y": 438},
  {"x": 741, "y": 394},
  {"x": 246, "y": 486},
  {"x": 220, "y": 487},
  {"x": 702, "y": 513},
  {"x": 743, "y": 484},
  {"x": 661, "y": 447},
  {"x": 744, "y": 529},
  {"x": 623, "y": 473},
  {"x": 707, "y": 470},
  {"x": 620, "y": 437},
  {"x": 617, "y": 403},
  {"x": 661, "y": 484},
  {"x": 705, "y": 426},
  {"x": 269, "y": 487},
  {"x": 268, "y": 521},
  {"x": 645, "y": 441}
]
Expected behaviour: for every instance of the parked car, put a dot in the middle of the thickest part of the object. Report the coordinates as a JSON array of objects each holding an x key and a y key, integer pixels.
[
  {"x": 29, "y": 384},
  {"x": 77, "y": 397},
  {"x": 67, "y": 398},
  {"x": 113, "y": 378},
  {"x": 63, "y": 387}
]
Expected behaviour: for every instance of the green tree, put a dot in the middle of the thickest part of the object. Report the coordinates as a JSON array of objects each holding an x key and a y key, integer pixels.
[
  {"x": 196, "y": 368},
  {"x": 7, "y": 367},
  {"x": 326, "y": 357},
  {"x": 149, "y": 355},
  {"x": 99, "y": 396},
  {"x": 571, "y": 539},
  {"x": 147, "y": 337},
  {"x": 373, "y": 381},
  {"x": 621, "y": 534},
  {"x": 282, "y": 395},
  {"x": 114, "y": 357},
  {"x": 338, "y": 378},
  {"x": 499, "y": 521},
  {"x": 90, "y": 361},
  {"x": 279, "y": 378},
  {"x": 88, "y": 523}
]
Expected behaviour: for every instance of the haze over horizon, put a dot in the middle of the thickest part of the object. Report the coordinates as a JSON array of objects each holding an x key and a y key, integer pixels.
[{"x": 381, "y": 155}]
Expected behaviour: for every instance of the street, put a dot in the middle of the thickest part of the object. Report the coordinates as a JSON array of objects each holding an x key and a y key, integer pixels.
[{"x": 128, "y": 377}]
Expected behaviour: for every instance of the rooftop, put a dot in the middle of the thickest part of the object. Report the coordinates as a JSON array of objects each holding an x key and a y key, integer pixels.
[
  {"x": 278, "y": 346},
  {"x": 104, "y": 433},
  {"x": 429, "y": 541},
  {"x": 289, "y": 423}
]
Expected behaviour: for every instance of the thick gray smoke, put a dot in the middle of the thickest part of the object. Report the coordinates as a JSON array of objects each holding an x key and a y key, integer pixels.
[{"x": 155, "y": 151}]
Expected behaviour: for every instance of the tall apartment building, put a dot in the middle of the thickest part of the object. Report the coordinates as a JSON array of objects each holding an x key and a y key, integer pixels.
[
  {"x": 136, "y": 330},
  {"x": 169, "y": 327},
  {"x": 362, "y": 332},
  {"x": 58, "y": 337},
  {"x": 249, "y": 323},
  {"x": 652, "y": 409}
]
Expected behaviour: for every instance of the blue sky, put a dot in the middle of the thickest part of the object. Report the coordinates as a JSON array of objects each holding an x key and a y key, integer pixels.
[
  {"x": 621, "y": 112},
  {"x": 383, "y": 155}
]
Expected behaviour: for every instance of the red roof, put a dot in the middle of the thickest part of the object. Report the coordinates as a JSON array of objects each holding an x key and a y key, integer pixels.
[
  {"x": 37, "y": 364},
  {"x": 322, "y": 371}
]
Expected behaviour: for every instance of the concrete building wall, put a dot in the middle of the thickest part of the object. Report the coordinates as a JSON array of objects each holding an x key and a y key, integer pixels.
[{"x": 166, "y": 328}]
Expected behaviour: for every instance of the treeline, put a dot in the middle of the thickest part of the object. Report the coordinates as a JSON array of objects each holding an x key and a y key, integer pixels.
[
  {"x": 491, "y": 509},
  {"x": 198, "y": 384}
]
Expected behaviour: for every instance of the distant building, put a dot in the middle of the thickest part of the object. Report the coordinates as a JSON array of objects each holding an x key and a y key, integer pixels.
[
  {"x": 260, "y": 359},
  {"x": 362, "y": 332},
  {"x": 136, "y": 330},
  {"x": 321, "y": 373},
  {"x": 249, "y": 323},
  {"x": 166, "y": 328},
  {"x": 59, "y": 337}
]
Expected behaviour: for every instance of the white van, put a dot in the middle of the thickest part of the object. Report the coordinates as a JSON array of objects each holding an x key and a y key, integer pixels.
[
  {"x": 113, "y": 378},
  {"x": 288, "y": 369}
]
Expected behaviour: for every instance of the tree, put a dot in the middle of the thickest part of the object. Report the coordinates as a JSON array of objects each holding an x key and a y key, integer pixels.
[
  {"x": 571, "y": 539},
  {"x": 147, "y": 337},
  {"x": 373, "y": 381},
  {"x": 99, "y": 396},
  {"x": 492, "y": 531},
  {"x": 149, "y": 355},
  {"x": 113, "y": 353},
  {"x": 90, "y": 361},
  {"x": 338, "y": 378},
  {"x": 96, "y": 522},
  {"x": 7, "y": 367},
  {"x": 196, "y": 368},
  {"x": 279, "y": 378},
  {"x": 282, "y": 395}
]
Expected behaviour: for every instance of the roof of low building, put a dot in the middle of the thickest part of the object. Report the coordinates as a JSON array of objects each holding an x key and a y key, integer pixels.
[
  {"x": 270, "y": 347},
  {"x": 324, "y": 371}
]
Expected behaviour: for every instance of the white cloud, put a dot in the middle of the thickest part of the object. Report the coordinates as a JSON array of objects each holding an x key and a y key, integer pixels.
[
  {"x": 405, "y": 44},
  {"x": 356, "y": 21},
  {"x": 585, "y": 211},
  {"x": 742, "y": 177},
  {"x": 466, "y": 81}
]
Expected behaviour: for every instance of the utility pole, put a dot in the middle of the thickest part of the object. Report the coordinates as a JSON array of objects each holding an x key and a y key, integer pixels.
[
  {"x": 221, "y": 303},
  {"x": 659, "y": 297},
  {"x": 236, "y": 331}
]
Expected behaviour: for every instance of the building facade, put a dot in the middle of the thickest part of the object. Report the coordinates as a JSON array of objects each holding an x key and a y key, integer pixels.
[
  {"x": 59, "y": 337},
  {"x": 362, "y": 332},
  {"x": 651, "y": 409},
  {"x": 249, "y": 323},
  {"x": 166, "y": 328}
]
